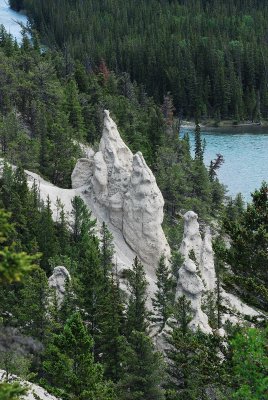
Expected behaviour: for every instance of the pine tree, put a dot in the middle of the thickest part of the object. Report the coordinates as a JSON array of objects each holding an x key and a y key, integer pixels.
[
  {"x": 82, "y": 220},
  {"x": 111, "y": 340},
  {"x": 47, "y": 240},
  {"x": 193, "y": 357},
  {"x": 74, "y": 109},
  {"x": 162, "y": 302},
  {"x": 199, "y": 146},
  {"x": 69, "y": 365},
  {"x": 137, "y": 314},
  {"x": 32, "y": 311},
  {"x": 12, "y": 391},
  {"x": 13, "y": 265},
  {"x": 106, "y": 250},
  {"x": 250, "y": 364},
  {"x": 143, "y": 371}
]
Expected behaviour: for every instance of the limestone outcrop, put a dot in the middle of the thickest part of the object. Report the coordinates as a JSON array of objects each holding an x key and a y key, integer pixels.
[
  {"x": 120, "y": 188},
  {"x": 58, "y": 280}
]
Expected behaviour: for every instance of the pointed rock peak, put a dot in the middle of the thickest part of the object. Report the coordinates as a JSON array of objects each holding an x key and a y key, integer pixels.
[
  {"x": 115, "y": 152},
  {"x": 109, "y": 126}
]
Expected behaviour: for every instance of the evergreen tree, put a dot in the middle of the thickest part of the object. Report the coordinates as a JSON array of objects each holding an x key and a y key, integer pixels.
[
  {"x": 106, "y": 250},
  {"x": 32, "y": 312},
  {"x": 47, "y": 239},
  {"x": 248, "y": 252},
  {"x": 162, "y": 302},
  {"x": 11, "y": 391},
  {"x": 137, "y": 314},
  {"x": 74, "y": 109},
  {"x": 112, "y": 342},
  {"x": 199, "y": 146},
  {"x": 69, "y": 364},
  {"x": 250, "y": 364},
  {"x": 143, "y": 370},
  {"x": 13, "y": 265},
  {"x": 193, "y": 359}
]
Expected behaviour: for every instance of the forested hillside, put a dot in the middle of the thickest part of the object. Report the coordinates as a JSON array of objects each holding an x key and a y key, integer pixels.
[{"x": 212, "y": 55}]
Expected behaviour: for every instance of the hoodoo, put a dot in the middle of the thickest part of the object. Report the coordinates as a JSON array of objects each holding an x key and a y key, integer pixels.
[{"x": 121, "y": 189}]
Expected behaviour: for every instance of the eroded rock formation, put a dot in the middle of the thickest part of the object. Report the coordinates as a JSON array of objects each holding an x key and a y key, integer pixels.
[
  {"x": 196, "y": 277},
  {"x": 202, "y": 249},
  {"x": 121, "y": 188}
]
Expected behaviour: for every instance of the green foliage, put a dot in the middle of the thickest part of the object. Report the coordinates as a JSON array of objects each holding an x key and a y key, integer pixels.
[
  {"x": 250, "y": 364},
  {"x": 11, "y": 391},
  {"x": 33, "y": 311},
  {"x": 248, "y": 252},
  {"x": 70, "y": 366},
  {"x": 162, "y": 302},
  {"x": 143, "y": 370},
  {"x": 13, "y": 265},
  {"x": 137, "y": 313},
  {"x": 193, "y": 358},
  {"x": 209, "y": 54}
]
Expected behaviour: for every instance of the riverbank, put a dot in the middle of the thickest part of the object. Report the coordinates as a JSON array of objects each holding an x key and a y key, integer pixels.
[{"x": 227, "y": 126}]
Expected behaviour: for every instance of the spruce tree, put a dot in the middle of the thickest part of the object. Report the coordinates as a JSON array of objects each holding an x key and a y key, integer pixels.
[
  {"x": 106, "y": 250},
  {"x": 162, "y": 302},
  {"x": 47, "y": 240},
  {"x": 199, "y": 146},
  {"x": 193, "y": 358},
  {"x": 143, "y": 370},
  {"x": 142, "y": 373},
  {"x": 69, "y": 367},
  {"x": 32, "y": 312},
  {"x": 137, "y": 313}
]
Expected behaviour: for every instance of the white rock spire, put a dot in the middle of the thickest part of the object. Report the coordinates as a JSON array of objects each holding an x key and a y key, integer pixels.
[{"x": 122, "y": 189}]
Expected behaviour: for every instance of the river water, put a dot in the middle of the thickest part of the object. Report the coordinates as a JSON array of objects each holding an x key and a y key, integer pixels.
[
  {"x": 245, "y": 154},
  {"x": 10, "y": 19}
]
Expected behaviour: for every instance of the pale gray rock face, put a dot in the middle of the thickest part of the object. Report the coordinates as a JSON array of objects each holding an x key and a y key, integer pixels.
[
  {"x": 191, "y": 286},
  {"x": 123, "y": 190},
  {"x": 207, "y": 262},
  {"x": 203, "y": 251},
  {"x": 83, "y": 172},
  {"x": 191, "y": 237},
  {"x": 190, "y": 283},
  {"x": 143, "y": 213},
  {"x": 58, "y": 280}
]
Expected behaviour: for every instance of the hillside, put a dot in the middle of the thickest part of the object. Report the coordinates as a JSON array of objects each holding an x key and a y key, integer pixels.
[{"x": 211, "y": 55}]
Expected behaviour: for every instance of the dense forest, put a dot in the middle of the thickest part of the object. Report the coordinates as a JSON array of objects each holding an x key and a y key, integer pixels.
[
  {"x": 98, "y": 343},
  {"x": 211, "y": 55}
]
